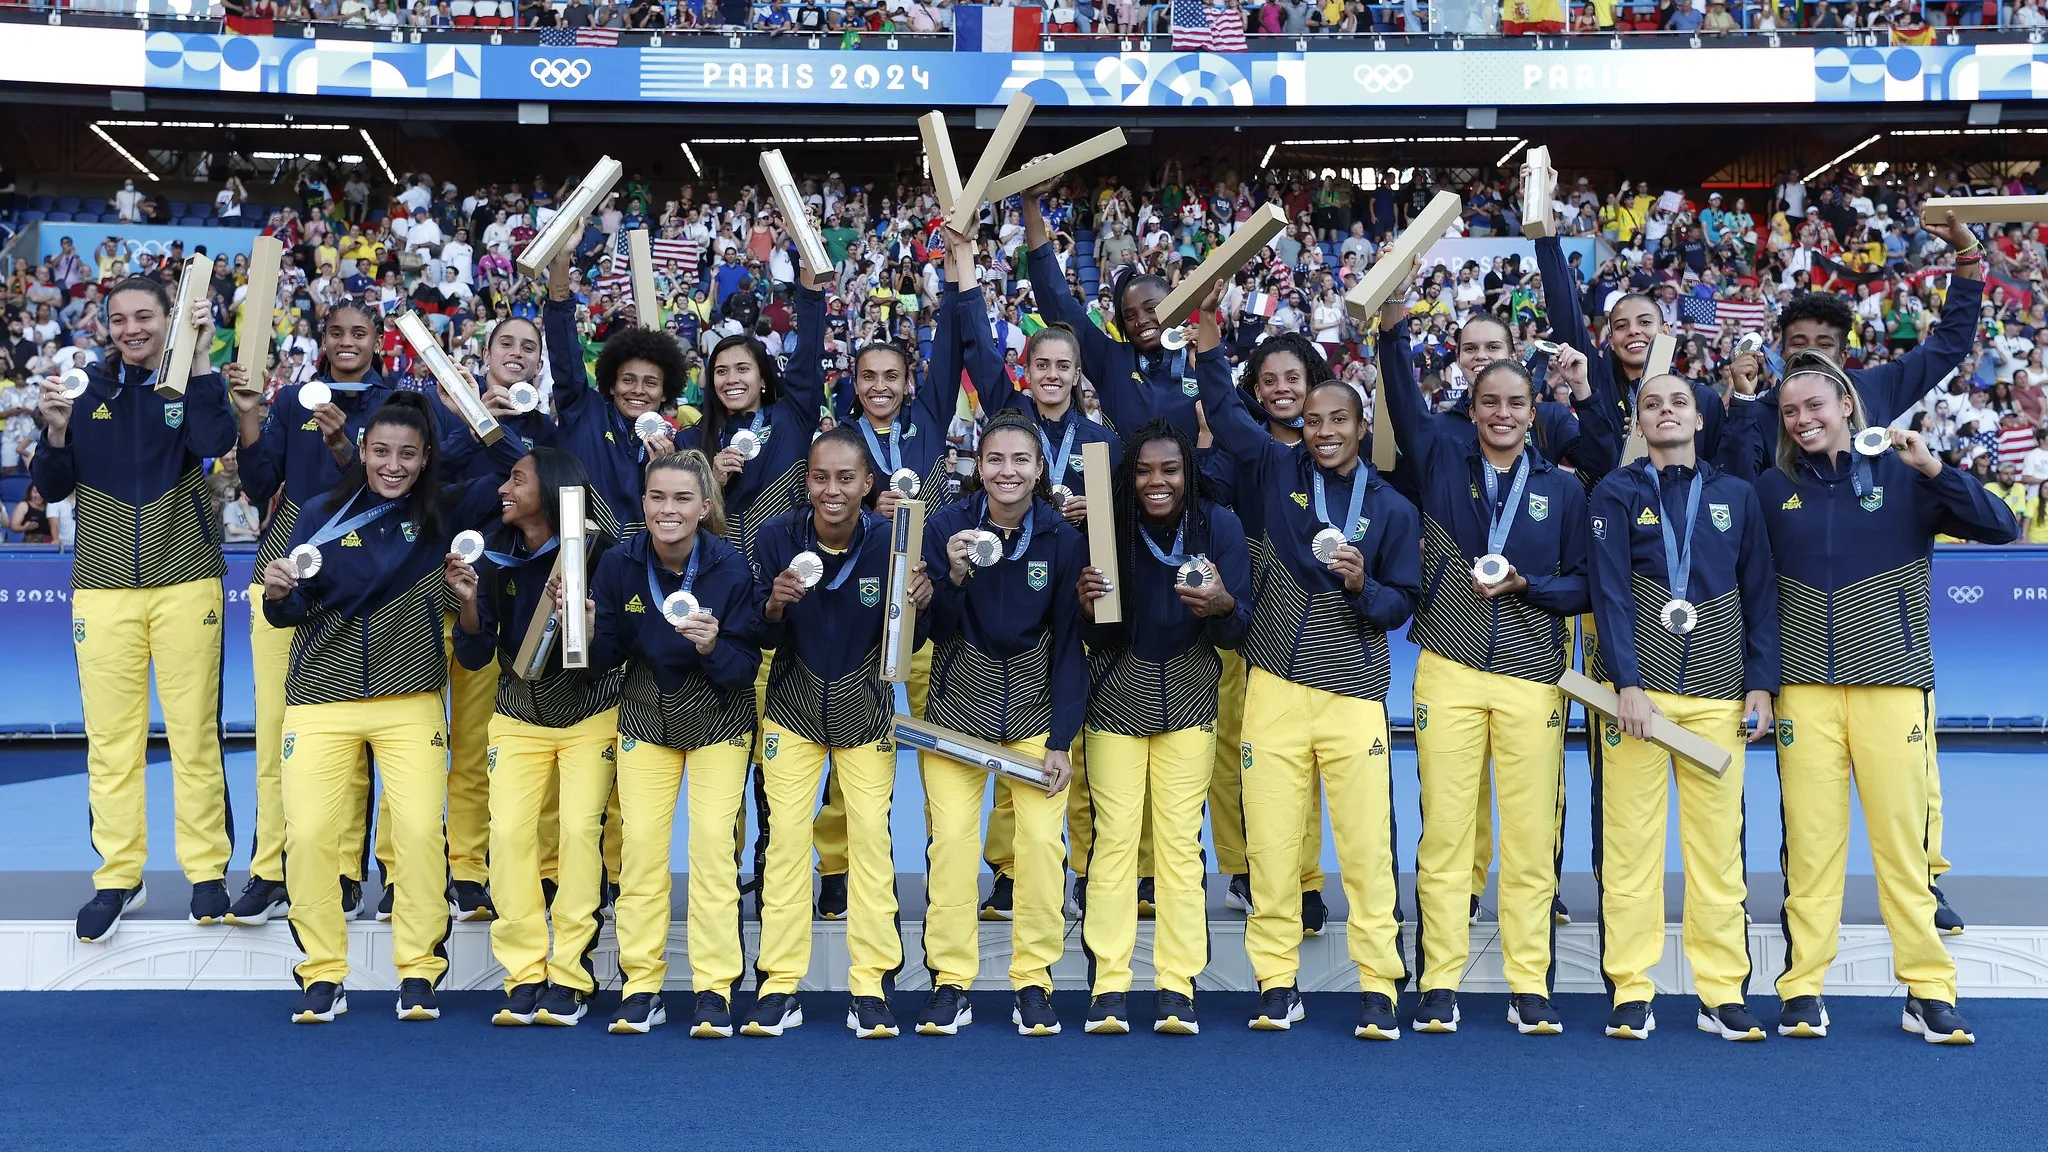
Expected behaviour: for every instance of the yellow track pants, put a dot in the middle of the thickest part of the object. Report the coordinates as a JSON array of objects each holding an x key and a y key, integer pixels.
[
  {"x": 1829, "y": 735},
  {"x": 792, "y": 767},
  {"x": 1226, "y": 801},
  {"x": 321, "y": 749},
  {"x": 650, "y": 776},
  {"x": 527, "y": 764},
  {"x": 955, "y": 795},
  {"x": 1632, "y": 782},
  {"x": 828, "y": 831},
  {"x": 1172, "y": 769},
  {"x": 1291, "y": 732},
  {"x": 119, "y": 633},
  {"x": 472, "y": 699},
  {"x": 270, "y": 650},
  {"x": 1462, "y": 715}
]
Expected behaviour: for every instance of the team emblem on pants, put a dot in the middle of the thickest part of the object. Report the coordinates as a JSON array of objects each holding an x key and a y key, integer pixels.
[
  {"x": 771, "y": 743},
  {"x": 1784, "y": 733},
  {"x": 78, "y": 631},
  {"x": 1246, "y": 750},
  {"x": 290, "y": 739},
  {"x": 1421, "y": 716}
]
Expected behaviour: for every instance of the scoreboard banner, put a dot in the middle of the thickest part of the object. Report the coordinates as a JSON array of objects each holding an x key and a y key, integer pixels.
[{"x": 1398, "y": 77}]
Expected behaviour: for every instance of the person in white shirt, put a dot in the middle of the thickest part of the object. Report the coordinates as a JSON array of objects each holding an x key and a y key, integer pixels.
[
  {"x": 128, "y": 203},
  {"x": 424, "y": 235},
  {"x": 417, "y": 197},
  {"x": 498, "y": 232},
  {"x": 458, "y": 255}
]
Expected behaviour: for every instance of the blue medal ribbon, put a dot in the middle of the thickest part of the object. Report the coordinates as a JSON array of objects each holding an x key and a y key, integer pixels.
[
  {"x": 508, "y": 560},
  {"x": 1500, "y": 518},
  {"x": 337, "y": 527},
  {"x": 893, "y": 462},
  {"x": 654, "y": 568},
  {"x": 1176, "y": 558},
  {"x": 1677, "y": 558},
  {"x": 1023, "y": 536},
  {"x": 1359, "y": 481},
  {"x": 1056, "y": 462},
  {"x": 860, "y": 528}
]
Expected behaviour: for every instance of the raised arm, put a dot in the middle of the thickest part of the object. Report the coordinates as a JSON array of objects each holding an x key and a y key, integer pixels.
[
  {"x": 1891, "y": 388},
  {"x": 573, "y": 393},
  {"x": 803, "y": 382},
  {"x": 1415, "y": 433},
  {"x": 1049, "y": 290}
]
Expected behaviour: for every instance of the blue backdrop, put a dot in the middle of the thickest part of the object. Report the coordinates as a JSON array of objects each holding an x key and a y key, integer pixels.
[{"x": 1990, "y": 612}]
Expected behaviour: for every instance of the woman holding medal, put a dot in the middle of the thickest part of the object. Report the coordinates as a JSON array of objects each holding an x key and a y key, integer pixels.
[
  {"x": 674, "y": 604},
  {"x": 823, "y": 616},
  {"x": 364, "y": 582},
  {"x": 1315, "y": 697},
  {"x": 1687, "y": 604},
  {"x": 1008, "y": 669},
  {"x": 1502, "y": 571},
  {"x": 1151, "y": 719},
  {"x": 552, "y": 746},
  {"x": 1852, "y": 513}
]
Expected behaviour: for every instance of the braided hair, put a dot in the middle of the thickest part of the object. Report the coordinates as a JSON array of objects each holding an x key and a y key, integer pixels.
[{"x": 1195, "y": 491}]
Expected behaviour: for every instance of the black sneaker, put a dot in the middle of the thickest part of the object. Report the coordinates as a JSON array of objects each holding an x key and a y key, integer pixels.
[
  {"x": 320, "y": 1004},
  {"x": 1633, "y": 1020},
  {"x": 1946, "y": 921},
  {"x": 384, "y": 904},
  {"x": 1558, "y": 912},
  {"x": 1804, "y": 1018},
  {"x": 1475, "y": 909},
  {"x": 1279, "y": 1009},
  {"x": 1032, "y": 1013},
  {"x": 946, "y": 1011},
  {"x": 1532, "y": 1015},
  {"x": 832, "y": 897},
  {"x": 611, "y": 900},
  {"x": 1107, "y": 1015},
  {"x": 712, "y": 1019},
  {"x": 1376, "y": 1018},
  {"x": 469, "y": 900},
  {"x": 1313, "y": 913},
  {"x": 1077, "y": 901},
  {"x": 102, "y": 914},
  {"x": 260, "y": 900},
  {"x": 1438, "y": 1011},
  {"x": 638, "y": 1013},
  {"x": 1174, "y": 1015},
  {"x": 1147, "y": 906},
  {"x": 561, "y": 1007},
  {"x": 869, "y": 1018},
  {"x": 521, "y": 1005},
  {"x": 772, "y": 1015},
  {"x": 416, "y": 1000},
  {"x": 209, "y": 902},
  {"x": 1239, "y": 894},
  {"x": 548, "y": 888},
  {"x": 1936, "y": 1021},
  {"x": 1730, "y": 1021},
  {"x": 351, "y": 896},
  {"x": 997, "y": 906}
]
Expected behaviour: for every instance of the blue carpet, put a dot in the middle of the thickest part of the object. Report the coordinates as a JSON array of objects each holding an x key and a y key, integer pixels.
[{"x": 173, "y": 1072}]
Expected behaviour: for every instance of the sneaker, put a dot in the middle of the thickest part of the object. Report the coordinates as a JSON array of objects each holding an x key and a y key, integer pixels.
[
  {"x": 1803, "y": 1017},
  {"x": 773, "y": 1014},
  {"x": 1147, "y": 906},
  {"x": 469, "y": 900},
  {"x": 1946, "y": 921},
  {"x": 1174, "y": 1015},
  {"x": 1475, "y": 909},
  {"x": 521, "y": 1005},
  {"x": 638, "y": 1013},
  {"x": 997, "y": 906},
  {"x": 1107, "y": 1015},
  {"x": 1936, "y": 1021},
  {"x": 260, "y": 900},
  {"x": 1279, "y": 1009},
  {"x": 869, "y": 1018},
  {"x": 416, "y": 1000},
  {"x": 611, "y": 900},
  {"x": 102, "y": 914},
  {"x": 1313, "y": 913},
  {"x": 1239, "y": 895},
  {"x": 1438, "y": 1011},
  {"x": 946, "y": 1011},
  {"x": 1633, "y": 1020},
  {"x": 1558, "y": 912},
  {"x": 1032, "y": 1013},
  {"x": 1532, "y": 1015},
  {"x": 209, "y": 902},
  {"x": 320, "y": 1004},
  {"x": 712, "y": 1019},
  {"x": 351, "y": 896},
  {"x": 1376, "y": 1018},
  {"x": 548, "y": 888},
  {"x": 561, "y": 1007},
  {"x": 1730, "y": 1021},
  {"x": 1077, "y": 901},
  {"x": 832, "y": 897},
  {"x": 384, "y": 904}
]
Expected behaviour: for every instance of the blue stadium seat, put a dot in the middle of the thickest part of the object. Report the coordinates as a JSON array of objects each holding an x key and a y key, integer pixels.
[
  {"x": 58, "y": 218},
  {"x": 178, "y": 208},
  {"x": 13, "y": 490},
  {"x": 192, "y": 222},
  {"x": 67, "y": 204},
  {"x": 41, "y": 203},
  {"x": 31, "y": 215}
]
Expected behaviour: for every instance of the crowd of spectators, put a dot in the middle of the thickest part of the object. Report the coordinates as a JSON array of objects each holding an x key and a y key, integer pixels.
[{"x": 1719, "y": 263}]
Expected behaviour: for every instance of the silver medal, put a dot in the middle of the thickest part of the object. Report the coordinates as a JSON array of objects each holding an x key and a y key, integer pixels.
[
  {"x": 1750, "y": 342},
  {"x": 904, "y": 483},
  {"x": 1326, "y": 543},
  {"x": 468, "y": 546},
  {"x": 648, "y": 425},
  {"x": 306, "y": 560},
  {"x": 1196, "y": 573},
  {"x": 809, "y": 568},
  {"x": 746, "y": 443},
  {"x": 1173, "y": 339},
  {"x": 1546, "y": 347},
  {"x": 678, "y": 606},
  {"x": 985, "y": 549},
  {"x": 74, "y": 382},
  {"x": 1060, "y": 495},
  {"x": 1491, "y": 569},
  {"x": 1874, "y": 441},
  {"x": 1679, "y": 616},
  {"x": 314, "y": 393},
  {"x": 524, "y": 396}
]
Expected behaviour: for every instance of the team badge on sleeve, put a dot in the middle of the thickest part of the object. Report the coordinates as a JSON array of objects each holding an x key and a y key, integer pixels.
[
  {"x": 1038, "y": 574},
  {"x": 1719, "y": 514}
]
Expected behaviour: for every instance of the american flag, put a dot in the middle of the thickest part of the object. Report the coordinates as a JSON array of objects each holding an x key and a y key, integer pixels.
[
  {"x": 1699, "y": 311},
  {"x": 675, "y": 254},
  {"x": 579, "y": 38},
  {"x": 1739, "y": 316},
  {"x": 1200, "y": 28}
]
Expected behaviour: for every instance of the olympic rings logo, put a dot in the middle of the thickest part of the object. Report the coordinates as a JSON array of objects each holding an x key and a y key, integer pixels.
[
  {"x": 1966, "y": 593},
  {"x": 560, "y": 72},
  {"x": 1383, "y": 77}
]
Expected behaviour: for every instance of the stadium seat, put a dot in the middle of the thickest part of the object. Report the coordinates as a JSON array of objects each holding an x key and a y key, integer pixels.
[
  {"x": 464, "y": 12},
  {"x": 13, "y": 490},
  {"x": 192, "y": 222},
  {"x": 41, "y": 203},
  {"x": 31, "y": 215},
  {"x": 67, "y": 204},
  {"x": 180, "y": 208},
  {"x": 58, "y": 218}
]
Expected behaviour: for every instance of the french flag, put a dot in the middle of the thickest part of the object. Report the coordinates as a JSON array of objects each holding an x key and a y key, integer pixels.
[{"x": 980, "y": 28}]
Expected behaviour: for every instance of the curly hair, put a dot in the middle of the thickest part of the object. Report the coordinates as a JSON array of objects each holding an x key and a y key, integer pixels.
[
  {"x": 1828, "y": 309},
  {"x": 636, "y": 343}
]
